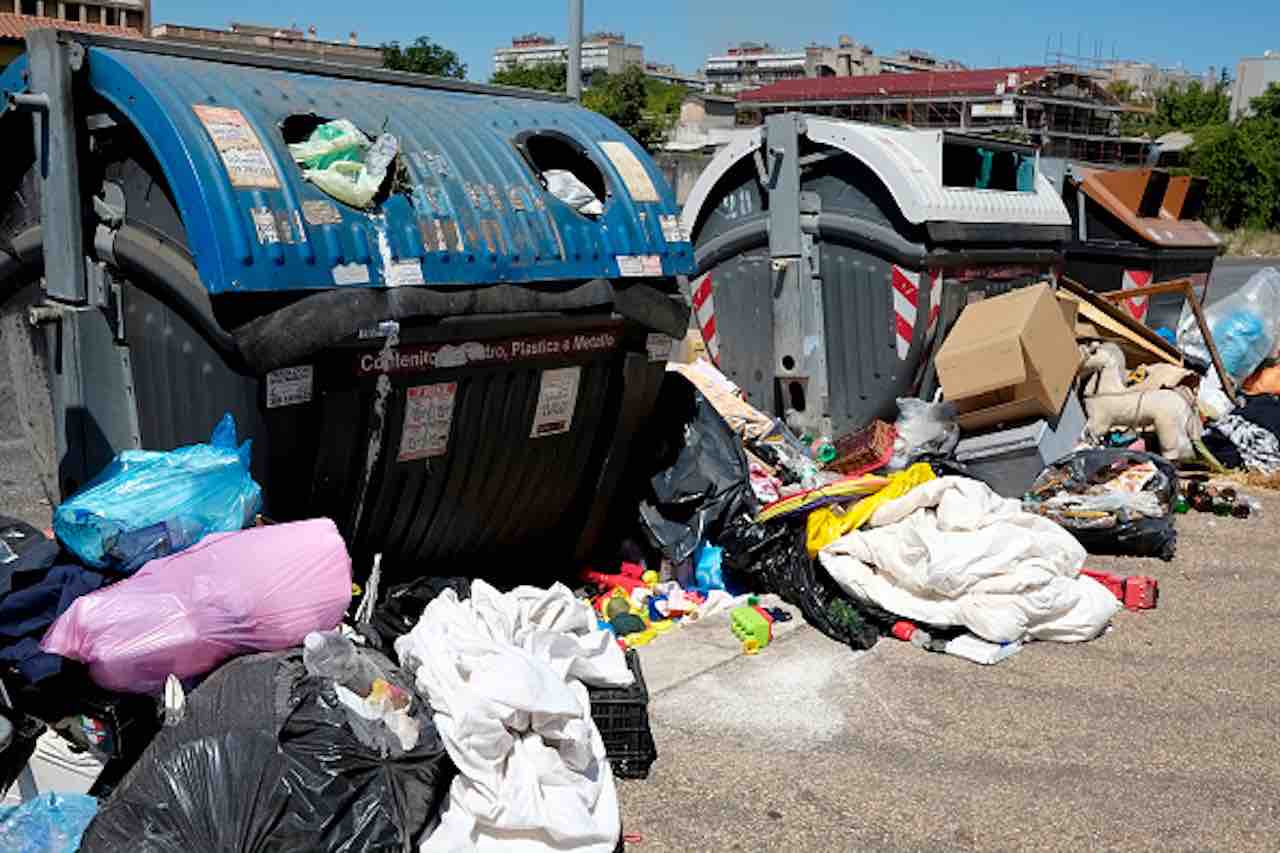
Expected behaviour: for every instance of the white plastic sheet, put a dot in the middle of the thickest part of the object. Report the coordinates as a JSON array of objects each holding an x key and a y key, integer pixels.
[
  {"x": 504, "y": 673},
  {"x": 953, "y": 552}
]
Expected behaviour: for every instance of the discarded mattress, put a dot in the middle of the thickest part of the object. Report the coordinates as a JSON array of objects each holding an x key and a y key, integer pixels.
[
  {"x": 504, "y": 674},
  {"x": 953, "y": 552}
]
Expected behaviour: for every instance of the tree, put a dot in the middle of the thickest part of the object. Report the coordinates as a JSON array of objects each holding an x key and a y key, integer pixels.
[
  {"x": 1179, "y": 108},
  {"x": 547, "y": 77},
  {"x": 1267, "y": 105},
  {"x": 1122, "y": 89},
  {"x": 642, "y": 107},
  {"x": 423, "y": 56}
]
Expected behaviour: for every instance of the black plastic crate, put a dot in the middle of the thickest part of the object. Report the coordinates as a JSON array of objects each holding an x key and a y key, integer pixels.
[{"x": 622, "y": 715}]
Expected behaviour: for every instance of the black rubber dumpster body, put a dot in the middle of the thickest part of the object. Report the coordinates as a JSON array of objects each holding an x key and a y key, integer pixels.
[
  {"x": 453, "y": 375},
  {"x": 1135, "y": 227},
  {"x": 832, "y": 256}
]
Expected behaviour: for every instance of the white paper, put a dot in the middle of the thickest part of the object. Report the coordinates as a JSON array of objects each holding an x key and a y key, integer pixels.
[
  {"x": 264, "y": 223},
  {"x": 672, "y": 231},
  {"x": 289, "y": 386},
  {"x": 428, "y": 417},
  {"x": 632, "y": 266},
  {"x": 351, "y": 274},
  {"x": 557, "y": 398},
  {"x": 243, "y": 156}
]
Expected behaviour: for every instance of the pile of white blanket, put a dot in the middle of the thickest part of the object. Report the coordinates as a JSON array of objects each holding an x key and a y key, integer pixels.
[
  {"x": 505, "y": 674},
  {"x": 953, "y": 552}
]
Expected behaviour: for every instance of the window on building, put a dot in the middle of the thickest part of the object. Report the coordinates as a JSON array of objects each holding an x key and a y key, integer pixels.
[
  {"x": 28, "y": 7},
  {"x": 132, "y": 19},
  {"x": 70, "y": 11}
]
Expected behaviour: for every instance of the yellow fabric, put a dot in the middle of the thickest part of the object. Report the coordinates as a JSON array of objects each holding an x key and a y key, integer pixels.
[
  {"x": 867, "y": 484},
  {"x": 827, "y": 524}
]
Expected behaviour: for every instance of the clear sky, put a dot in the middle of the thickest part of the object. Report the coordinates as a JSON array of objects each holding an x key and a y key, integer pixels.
[{"x": 1195, "y": 33}]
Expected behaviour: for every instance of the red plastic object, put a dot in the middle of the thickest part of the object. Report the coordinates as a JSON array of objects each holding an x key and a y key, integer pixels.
[
  {"x": 903, "y": 630},
  {"x": 628, "y": 578},
  {"x": 1114, "y": 583},
  {"x": 1140, "y": 592}
]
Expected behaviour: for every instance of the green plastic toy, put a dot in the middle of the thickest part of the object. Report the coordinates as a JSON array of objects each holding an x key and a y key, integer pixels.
[{"x": 752, "y": 626}]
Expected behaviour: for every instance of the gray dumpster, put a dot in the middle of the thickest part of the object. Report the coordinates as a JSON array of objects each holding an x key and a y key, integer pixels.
[
  {"x": 452, "y": 372},
  {"x": 832, "y": 255}
]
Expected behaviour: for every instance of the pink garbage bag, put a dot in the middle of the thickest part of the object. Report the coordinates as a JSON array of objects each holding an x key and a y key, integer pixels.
[{"x": 230, "y": 594}]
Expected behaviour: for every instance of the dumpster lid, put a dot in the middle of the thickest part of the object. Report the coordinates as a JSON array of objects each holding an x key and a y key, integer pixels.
[
  {"x": 910, "y": 164},
  {"x": 1151, "y": 204},
  {"x": 469, "y": 205}
]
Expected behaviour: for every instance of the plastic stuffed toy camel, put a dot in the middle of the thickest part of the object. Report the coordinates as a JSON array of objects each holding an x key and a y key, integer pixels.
[{"x": 1110, "y": 404}]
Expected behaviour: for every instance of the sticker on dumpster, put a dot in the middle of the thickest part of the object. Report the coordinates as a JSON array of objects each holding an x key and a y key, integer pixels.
[
  {"x": 321, "y": 213},
  {"x": 245, "y": 159},
  {"x": 634, "y": 266},
  {"x": 406, "y": 273},
  {"x": 351, "y": 274},
  {"x": 428, "y": 416},
  {"x": 557, "y": 398},
  {"x": 416, "y": 358},
  {"x": 671, "y": 229},
  {"x": 289, "y": 386},
  {"x": 659, "y": 347},
  {"x": 265, "y": 224},
  {"x": 634, "y": 175}
]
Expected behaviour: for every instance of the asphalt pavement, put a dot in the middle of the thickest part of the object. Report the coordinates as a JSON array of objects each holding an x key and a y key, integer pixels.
[{"x": 1230, "y": 274}]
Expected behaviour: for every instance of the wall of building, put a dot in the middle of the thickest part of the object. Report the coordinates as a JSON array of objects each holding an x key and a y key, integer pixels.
[
  {"x": 1253, "y": 75},
  {"x": 134, "y": 14},
  {"x": 282, "y": 45}
]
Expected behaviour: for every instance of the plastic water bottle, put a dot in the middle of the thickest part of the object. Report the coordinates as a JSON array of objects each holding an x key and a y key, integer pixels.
[{"x": 920, "y": 638}]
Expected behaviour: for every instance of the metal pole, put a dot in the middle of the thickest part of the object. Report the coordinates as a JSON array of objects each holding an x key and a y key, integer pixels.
[{"x": 574, "y": 82}]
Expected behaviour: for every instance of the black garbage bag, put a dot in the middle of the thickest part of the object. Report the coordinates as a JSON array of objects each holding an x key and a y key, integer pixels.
[
  {"x": 1122, "y": 533},
  {"x": 771, "y": 557},
  {"x": 402, "y": 607},
  {"x": 264, "y": 760},
  {"x": 697, "y": 471}
]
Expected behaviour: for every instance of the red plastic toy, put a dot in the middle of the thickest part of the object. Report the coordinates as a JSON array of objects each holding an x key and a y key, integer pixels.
[{"x": 1140, "y": 592}]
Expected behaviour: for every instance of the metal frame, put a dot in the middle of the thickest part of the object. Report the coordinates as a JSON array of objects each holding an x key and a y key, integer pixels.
[{"x": 307, "y": 66}]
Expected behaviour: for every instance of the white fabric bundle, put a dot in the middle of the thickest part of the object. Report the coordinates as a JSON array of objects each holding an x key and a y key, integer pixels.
[
  {"x": 504, "y": 673},
  {"x": 953, "y": 552}
]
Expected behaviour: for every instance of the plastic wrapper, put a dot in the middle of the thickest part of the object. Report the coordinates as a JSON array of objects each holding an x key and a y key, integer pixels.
[
  {"x": 257, "y": 590},
  {"x": 265, "y": 760},
  {"x": 49, "y": 823},
  {"x": 923, "y": 429},
  {"x": 339, "y": 159},
  {"x": 567, "y": 187},
  {"x": 697, "y": 471},
  {"x": 378, "y": 711},
  {"x": 147, "y": 504},
  {"x": 1118, "y": 477},
  {"x": 1245, "y": 325}
]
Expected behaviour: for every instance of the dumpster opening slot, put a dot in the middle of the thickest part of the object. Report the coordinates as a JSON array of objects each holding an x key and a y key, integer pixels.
[
  {"x": 969, "y": 166},
  {"x": 550, "y": 151},
  {"x": 795, "y": 391}
]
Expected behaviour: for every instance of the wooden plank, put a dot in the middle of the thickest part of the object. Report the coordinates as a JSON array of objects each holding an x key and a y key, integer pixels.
[{"x": 1116, "y": 322}]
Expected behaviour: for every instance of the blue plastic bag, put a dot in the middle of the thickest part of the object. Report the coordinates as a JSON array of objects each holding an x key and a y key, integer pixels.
[
  {"x": 50, "y": 823},
  {"x": 147, "y": 504}
]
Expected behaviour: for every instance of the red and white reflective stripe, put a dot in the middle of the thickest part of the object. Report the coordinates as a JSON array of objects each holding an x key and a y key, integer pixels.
[
  {"x": 1136, "y": 278},
  {"x": 906, "y": 298},
  {"x": 935, "y": 301},
  {"x": 704, "y": 310}
]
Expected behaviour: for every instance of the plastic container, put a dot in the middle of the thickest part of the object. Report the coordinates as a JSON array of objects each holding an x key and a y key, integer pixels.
[{"x": 622, "y": 716}]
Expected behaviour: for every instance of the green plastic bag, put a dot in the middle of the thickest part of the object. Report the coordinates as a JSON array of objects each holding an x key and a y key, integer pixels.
[{"x": 331, "y": 142}]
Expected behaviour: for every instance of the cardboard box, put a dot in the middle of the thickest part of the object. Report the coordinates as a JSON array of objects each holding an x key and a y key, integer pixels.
[{"x": 1009, "y": 358}]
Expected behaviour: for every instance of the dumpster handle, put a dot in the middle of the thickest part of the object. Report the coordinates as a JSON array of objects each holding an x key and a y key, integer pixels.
[
  {"x": 162, "y": 267},
  {"x": 879, "y": 239}
]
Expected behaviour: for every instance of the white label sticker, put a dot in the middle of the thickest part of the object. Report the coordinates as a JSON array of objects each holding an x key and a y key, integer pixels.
[
  {"x": 404, "y": 274},
  {"x": 428, "y": 417},
  {"x": 633, "y": 173},
  {"x": 659, "y": 347},
  {"x": 557, "y": 398},
  {"x": 264, "y": 222},
  {"x": 351, "y": 274},
  {"x": 632, "y": 266},
  {"x": 289, "y": 386},
  {"x": 238, "y": 144},
  {"x": 385, "y": 329},
  {"x": 672, "y": 232}
]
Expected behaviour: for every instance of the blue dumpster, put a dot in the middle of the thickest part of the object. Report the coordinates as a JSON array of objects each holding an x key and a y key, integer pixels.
[{"x": 452, "y": 372}]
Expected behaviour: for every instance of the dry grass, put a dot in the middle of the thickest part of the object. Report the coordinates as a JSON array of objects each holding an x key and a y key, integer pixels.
[
  {"x": 1252, "y": 480},
  {"x": 1252, "y": 244}
]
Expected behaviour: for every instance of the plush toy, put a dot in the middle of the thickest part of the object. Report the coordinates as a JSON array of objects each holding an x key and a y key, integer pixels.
[{"x": 1110, "y": 403}]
